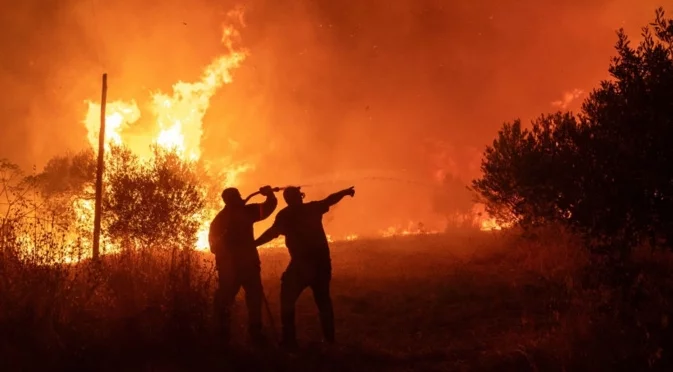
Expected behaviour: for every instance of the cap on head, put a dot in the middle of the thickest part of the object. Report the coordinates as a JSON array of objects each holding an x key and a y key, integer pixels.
[
  {"x": 293, "y": 195},
  {"x": 231, "y": 195}
]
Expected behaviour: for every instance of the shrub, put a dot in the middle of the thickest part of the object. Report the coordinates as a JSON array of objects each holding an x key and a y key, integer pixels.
[{"x": 604, "y": 172}]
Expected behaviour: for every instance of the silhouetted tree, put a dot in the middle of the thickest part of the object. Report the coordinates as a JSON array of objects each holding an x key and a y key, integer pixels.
[
  {"x": 157, "y": 203},
  {"x": 14, "y": 191},
  {"x": 605, "y": 172},
  {"x": 14, "y": 201},
  {"x": 524, "y": 171},
  {"x": 69, "y": 172},
  {"x": 64, "y": 179}
]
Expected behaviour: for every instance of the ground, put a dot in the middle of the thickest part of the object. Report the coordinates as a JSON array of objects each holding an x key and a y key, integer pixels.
[{"x": 464, "y": 301}]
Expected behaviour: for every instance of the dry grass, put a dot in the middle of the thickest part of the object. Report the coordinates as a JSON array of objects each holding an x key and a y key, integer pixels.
[{"x": 464, "y": 301}]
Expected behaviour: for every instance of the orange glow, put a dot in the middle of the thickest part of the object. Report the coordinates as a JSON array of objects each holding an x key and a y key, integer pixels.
[
  {"x": 118, "y": 116},
  {"x": 178, "y": 116},
  {"x": 485, "y": 222},
  {"x": 568, "y": 99},
  {"x": 177, "y": 125},
  {"x": 411, "y": 229},
  {"x": 489, "y": 224},
  {"x": 324, "y": 92}
]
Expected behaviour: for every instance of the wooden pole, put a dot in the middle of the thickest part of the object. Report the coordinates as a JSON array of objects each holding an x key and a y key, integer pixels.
[{"x": 99, "y": 174}]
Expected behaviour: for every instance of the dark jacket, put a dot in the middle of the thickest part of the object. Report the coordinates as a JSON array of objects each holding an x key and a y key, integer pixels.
[{"x": 231, "y": 234}]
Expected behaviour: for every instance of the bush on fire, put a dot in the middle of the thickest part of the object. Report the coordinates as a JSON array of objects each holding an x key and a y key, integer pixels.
[
  {"x": 154, "y": 203},
  {"x": 157, "y": 203}
]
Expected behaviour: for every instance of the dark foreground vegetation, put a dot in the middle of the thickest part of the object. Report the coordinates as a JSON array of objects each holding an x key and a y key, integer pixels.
[
  {"x": 584, "y": 281},
  {"x": 460, "y": 301}
]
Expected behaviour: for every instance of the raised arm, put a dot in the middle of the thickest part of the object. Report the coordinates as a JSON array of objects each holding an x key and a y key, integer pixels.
[
  {"x": 337, "y": 196},
  {"x": 270, "y": 234}
]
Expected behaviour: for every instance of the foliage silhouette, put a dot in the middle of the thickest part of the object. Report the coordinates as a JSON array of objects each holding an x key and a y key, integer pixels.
[
  {"x": 605, "y": 172},
  {"x": 158, "y": 203},
  {"x": 153, "y": 203}
]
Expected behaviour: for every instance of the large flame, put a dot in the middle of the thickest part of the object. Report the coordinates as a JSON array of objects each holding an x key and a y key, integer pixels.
[
  {"x": 118, "y": 116},
  {"x": 178, "y": 115},
  {"x": 177, "y": 126},
  {"x": 178, "y": 122}
]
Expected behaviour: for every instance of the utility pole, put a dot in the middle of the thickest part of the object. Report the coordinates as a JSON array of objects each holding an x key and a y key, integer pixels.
[{"x": 99, "y": 174}]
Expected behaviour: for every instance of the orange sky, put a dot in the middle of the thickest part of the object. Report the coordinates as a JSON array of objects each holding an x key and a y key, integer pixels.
[{"x": 330, "y": 88}]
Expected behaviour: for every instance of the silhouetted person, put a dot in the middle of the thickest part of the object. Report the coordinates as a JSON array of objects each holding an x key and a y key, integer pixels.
[
  {"x": 232, "y": 240},
  {"x": 310, "y": 261}
]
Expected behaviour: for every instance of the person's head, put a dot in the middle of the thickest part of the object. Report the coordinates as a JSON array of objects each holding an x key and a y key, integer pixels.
[
  {"x": 231, "y": 196},
  {"x": 293, "y": 195}
]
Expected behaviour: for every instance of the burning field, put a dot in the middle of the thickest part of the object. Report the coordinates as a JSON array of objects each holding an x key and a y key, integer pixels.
[
  {"x": 466, "y": 300},
  {"x": 467, "y": 246},
  {"x": 172, "y": 131}
]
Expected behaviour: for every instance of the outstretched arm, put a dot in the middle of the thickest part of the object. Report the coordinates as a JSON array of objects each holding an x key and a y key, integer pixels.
[
  {"x": 337, "y": 196},
  {"x": 270, "y": 234}
]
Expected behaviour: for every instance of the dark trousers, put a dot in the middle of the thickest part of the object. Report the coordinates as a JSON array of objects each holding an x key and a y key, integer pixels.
[
  {"x": 230, "y": 282},
  {"x": 295, "y": 279}
]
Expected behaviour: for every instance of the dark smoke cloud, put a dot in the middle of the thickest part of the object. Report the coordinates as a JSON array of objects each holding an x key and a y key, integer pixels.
[{"x": 331, "y": 88}]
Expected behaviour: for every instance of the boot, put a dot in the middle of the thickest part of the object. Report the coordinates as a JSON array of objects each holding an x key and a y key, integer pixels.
[
  {"x": 223, "y": 327},
  {"x": 223, "y": 336},
  {"x": 289, "y": 341},
  {"x": 256, "y": 336},
  {"x": 327, "y": 323}
]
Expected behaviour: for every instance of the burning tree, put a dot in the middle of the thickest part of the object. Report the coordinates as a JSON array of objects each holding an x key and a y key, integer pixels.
[
  {"x": 13, "y": 190},
  {"x": 155, "y": 202},
  {"x": 154, "y": 198},
  {"x": 158, "y": 203},
  {"x": 36, "y": 221},
  {"x": 68, "y": 180},
  {"x": 605, "y": 172}
]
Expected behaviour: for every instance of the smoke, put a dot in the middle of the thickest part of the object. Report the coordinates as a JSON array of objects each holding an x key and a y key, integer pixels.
[{"x": 332, "y": 92}]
